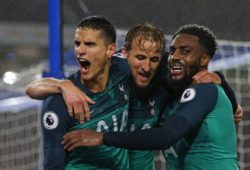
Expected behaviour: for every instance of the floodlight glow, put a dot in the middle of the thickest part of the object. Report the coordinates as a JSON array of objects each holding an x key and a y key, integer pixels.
[{"x": 10, "y": 77}]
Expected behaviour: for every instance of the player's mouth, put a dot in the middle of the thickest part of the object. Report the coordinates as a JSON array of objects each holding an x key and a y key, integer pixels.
[
  {"x": 144, "y": 77},
  {"x": 177, "y": 70},
  {"x": 85, "y": 64}
]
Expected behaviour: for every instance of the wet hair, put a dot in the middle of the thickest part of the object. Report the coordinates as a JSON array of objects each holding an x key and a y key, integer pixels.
[
  {"x": 145, "y": 31},
  {"x": 206, "y": 37},
  {"x": 99, "y": 23}
]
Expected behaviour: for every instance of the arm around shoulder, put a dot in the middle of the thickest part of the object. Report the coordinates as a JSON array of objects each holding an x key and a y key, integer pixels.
[{"x": 41, "y": 89}]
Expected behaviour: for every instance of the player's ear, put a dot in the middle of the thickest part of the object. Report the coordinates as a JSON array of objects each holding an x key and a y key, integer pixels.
[
  {"x": 111, "y": 50},
  {"x": 124, "y": 52},
  {"x": 205, "y": 60}
]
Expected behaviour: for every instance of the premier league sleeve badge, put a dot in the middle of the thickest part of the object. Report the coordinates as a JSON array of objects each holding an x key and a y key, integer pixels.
[
  {"x": 50, "y": 120},
  {"x": 188, "y": 95}
]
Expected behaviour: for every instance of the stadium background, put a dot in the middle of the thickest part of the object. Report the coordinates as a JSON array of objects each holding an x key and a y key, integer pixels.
[{"x": 24, "y": 53}]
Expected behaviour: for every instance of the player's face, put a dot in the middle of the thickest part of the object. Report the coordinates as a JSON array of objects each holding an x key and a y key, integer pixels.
[
  {"x": 185, "y": 53},
  {"x": 144, "y": 60},
  {"x": 92, "y": 54}
]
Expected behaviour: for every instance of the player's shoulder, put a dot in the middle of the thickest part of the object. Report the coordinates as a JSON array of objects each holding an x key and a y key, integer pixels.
[
  {"x": 202, "y": 91},
  {"x": 203, "y": 86},
  {"x": 55, "y": 100},
  {"x": 118, "y": 58},
  {"x": 118, "y": 54},
  {"x": 54, "y": 103},
  {"x": 74, "y": 77},
  {"x": 119, "y": 65}
]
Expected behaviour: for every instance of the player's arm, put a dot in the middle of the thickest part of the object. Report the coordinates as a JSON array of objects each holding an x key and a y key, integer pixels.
[
  {"x": 217, "y": 78},
  {"x": 54, "y": 120},
  {"x": 188, "y": 116},
  {"x": 238, "y": 112},
  {"x": 42, "y": 88},
  {"x": 76, "y": 100},
  {"x": 238, "y": 115}
]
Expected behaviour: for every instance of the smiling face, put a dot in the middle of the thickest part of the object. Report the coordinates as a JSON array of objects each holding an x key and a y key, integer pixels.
[
  {"x": 144, "y": 59},
  {"x": 186, "y": 56},
  {"x": 93, "y": 56}
]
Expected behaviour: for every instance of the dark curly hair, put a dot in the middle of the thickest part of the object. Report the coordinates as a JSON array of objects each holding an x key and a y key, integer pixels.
[{"x": 206, "y": 37}]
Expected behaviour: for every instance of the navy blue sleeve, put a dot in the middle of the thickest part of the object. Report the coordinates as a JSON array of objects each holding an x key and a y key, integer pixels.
[
  {"x": 196, "y": 103},
  {"x": 54, "y": 126},
  {"x": 229, "y": 91}
]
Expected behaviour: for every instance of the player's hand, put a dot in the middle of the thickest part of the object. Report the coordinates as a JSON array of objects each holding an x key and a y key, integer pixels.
[
  {"x": 76, "y": 100},
  {"x": 83, "y": 137},
  {"x": 238, "y": 115},
  {"x": 206, "y": 76}
]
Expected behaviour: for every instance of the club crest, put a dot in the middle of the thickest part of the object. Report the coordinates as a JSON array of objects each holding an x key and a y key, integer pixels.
[
  {"x": 50, "y": 120},
  {"x": 188, "y": 95}
]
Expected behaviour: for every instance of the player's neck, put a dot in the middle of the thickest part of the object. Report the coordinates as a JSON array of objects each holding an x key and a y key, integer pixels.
[{"x": 99, "y": 83}]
